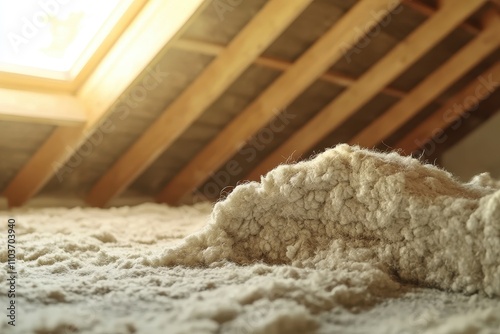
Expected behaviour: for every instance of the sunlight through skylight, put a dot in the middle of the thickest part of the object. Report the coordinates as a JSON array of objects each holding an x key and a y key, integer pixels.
[{"x": 50, "y": 38}]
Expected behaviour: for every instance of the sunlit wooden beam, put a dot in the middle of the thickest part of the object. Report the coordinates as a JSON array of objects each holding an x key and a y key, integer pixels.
[
  {"x": 275, "y": 64},
  {"x": 308, "y": 68},
  {"x": 44, "y": 108},
  {"x": 254, "y": 38}
]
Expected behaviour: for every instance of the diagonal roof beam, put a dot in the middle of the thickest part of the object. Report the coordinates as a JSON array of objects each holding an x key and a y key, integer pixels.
[
  {"x": 398, "y": 60},
  {"x": 432, "y": 86},
  {"x": 104, "y": 87},
  {"x": 427, "y": 10},
  {"x": 450, "y": 114},
  {"x": 275, "y": 64},
  {"x": 311, "y": 65},
  {"x": 255, "y": 37}
]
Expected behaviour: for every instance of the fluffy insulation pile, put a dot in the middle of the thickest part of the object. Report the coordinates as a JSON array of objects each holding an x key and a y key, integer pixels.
[{"x": 352, "y": 241}]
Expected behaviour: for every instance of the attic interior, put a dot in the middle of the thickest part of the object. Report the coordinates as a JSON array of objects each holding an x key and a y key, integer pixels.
[
  {"x": 134, "y": 130},
  {"x": 183, "y": 115}
]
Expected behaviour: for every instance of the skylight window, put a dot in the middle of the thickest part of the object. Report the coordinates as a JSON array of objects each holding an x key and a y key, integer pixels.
[{"x": 54, "y": 38}]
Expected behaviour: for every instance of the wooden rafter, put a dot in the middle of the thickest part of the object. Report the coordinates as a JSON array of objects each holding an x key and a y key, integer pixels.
[
  {"x": 104, "y": 87},
  {"x": 45, "y": 108},
  {"x": 275, "y": 64},
  {"x": 430, "y": 88},
  {"x": 426, "y": 10},
  {"x": 456, "y": 107},
  {"x": 399, "y": 59},
  {"x": 314, "y": 62},
  {"x": 257, "y": 35}
]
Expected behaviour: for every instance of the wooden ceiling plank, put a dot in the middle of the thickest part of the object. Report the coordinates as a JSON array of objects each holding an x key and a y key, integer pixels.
[
  {"x": 399, "y": 59},
  {"x": 254, "y": 38},
  {"x": 103, "y": 88},
  {"x": 457, "y": 106},
  {"x": 42, "y": 108},
  {"x": 431, "y": 87},
  {"x": 309, "y": 67}
]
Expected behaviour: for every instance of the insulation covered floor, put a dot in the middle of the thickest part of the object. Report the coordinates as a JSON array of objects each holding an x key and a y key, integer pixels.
[{"x": 352, "y": 242}]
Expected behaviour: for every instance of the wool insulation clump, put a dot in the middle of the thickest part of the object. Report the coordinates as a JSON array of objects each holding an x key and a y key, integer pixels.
[{"x": 349, "y": 207}]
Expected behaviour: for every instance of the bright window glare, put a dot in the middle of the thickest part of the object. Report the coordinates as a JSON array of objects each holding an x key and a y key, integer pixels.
[{"x": 48, "y": 37}]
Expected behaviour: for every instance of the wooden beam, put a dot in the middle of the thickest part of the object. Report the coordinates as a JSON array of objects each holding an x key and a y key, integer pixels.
[
  {"x": 398, "y": 60},
  {"x": 20, "y": 81},
  {"x": 420, "y": 7},
  {"x": 430, "y": 88},
  {"x": 104, "y": 87},
  {"x": 30, "y": 107},
  {"x": 427, "y": 10},
  {"x": 275, "y": 64},
  {"x": 255, "y": 37},
  {"x": 456, "y": 107},
  {"x": 41, "y": 167},
  {"x": 197, "y": 46},
  {"x": 315, "y": 61}
]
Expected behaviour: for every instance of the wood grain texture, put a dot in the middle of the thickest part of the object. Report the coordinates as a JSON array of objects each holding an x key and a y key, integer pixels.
[
  {"x": 405, "y": 54},
  {"x": 217, "y": 77},
  {"x": 328, "y": 49}
]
